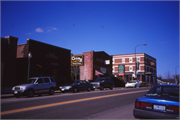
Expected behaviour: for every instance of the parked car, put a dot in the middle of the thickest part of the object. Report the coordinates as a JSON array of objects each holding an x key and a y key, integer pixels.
[
  {"x": 133, "y": 84},
  {"x": 160, "y": 102},
  {"x": 102, "y": 83},
  {"x": 78, "y": 85},
  {"x": 35, "y": 85}
]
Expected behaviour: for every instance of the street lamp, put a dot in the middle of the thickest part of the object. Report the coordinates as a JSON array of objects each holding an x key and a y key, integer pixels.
[
  {"x": 135, "y": 58},
  {"x": 29, "y": 57}
]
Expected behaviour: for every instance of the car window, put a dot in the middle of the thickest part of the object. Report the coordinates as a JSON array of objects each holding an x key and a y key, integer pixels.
[
  {"x": 31, "y": 81},
  {"x": 40, "y": 81},
  {"x": 52, "y": 80},
  {"x": 174, "y": 91},
  {"x": 164, "y": 91},
  {"x": 97, "y": 80},
  {"x": 46, "y": 80}
]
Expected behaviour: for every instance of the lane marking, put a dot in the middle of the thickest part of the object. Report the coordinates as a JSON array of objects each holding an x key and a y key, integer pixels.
[{"x": 66, "y": 102}]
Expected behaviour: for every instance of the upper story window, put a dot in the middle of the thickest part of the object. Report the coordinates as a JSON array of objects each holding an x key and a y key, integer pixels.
[
  {"x": 123, "y": 60},
  {"x": 138, "y": 59},
  {"x": 130, "y": 68},
  {"x": 130, "y": 60}
]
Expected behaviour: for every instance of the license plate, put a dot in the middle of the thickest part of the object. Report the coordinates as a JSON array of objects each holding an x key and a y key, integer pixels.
[
  {"x": 15, "y": 92},
  {"x": 159, "y": 107},
  {"x": 62, "y": 89}
]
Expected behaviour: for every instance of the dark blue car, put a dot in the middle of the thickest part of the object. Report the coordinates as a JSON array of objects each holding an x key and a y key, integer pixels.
[{"x": 160, "y": 102}]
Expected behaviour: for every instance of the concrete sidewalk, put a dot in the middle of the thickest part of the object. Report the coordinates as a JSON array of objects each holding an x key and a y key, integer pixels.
[{"x": 12, "y": 95}]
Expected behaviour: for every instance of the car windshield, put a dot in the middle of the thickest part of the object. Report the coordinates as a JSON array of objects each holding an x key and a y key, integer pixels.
[
  {"x": 77, "y": 81},
  {"x": 132, "y": 82},
  {"x": 164, "y": 91},
  {"x": 97, "y": 80},
  {"x": 31, "y": 81}
]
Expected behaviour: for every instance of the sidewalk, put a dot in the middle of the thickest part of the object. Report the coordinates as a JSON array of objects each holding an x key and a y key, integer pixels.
[{"x": 12, "y": 95}]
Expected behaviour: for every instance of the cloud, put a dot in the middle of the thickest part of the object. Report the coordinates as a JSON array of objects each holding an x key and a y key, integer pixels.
[
  {"x": 49, "y": 30},
  {"x": 54, "y": 28},
  {"x": 39, "y": 30}
]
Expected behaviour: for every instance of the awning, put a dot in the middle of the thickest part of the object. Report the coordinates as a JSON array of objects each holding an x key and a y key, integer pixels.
[{"x": 98, "y": 73}]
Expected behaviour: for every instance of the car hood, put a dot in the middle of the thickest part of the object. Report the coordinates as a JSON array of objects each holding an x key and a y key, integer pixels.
[
  {"x": 22, "y": 85},
  {"x": 159, "y": 100}
]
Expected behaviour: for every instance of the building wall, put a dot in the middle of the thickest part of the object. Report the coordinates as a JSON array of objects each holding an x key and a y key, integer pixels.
[
  {"x": 94, "y": 61},
  {"x": 8, "y": 62},
  {"x": 47, "y": 60},
  {"x": 86, "y": 71}
]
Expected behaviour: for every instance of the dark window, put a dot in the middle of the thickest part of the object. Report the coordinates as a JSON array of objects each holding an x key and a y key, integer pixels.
[
  {"x": 46, "y": 80},
  {"x": 40, "y": 80},
  {"x": 52, "y": 79}
]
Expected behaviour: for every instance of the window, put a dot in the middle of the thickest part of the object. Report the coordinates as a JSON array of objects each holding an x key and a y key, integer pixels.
[
  {"x": 46, "y": 80},
  {"x": 123, "y": 60},
  {"x": 138, "y": 59},
  {"x": 40, "y": 80},
  {"x": 130, "y": 68},
  {"x": 52, "y": 79},
  {"x": 130, "y": 60}
]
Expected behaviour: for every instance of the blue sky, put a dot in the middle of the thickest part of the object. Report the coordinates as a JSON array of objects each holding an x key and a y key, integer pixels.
[{"x": 115, "y": 27}]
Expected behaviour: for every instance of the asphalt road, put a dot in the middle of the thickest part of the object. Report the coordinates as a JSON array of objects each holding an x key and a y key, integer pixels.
[{"x": 107, "y": 104}]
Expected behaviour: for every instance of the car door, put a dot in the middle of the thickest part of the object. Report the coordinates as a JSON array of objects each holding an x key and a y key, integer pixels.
[
  {"x": 80, "y": 85},
  {"x": 47, "y": 84},
  {"x": 39, "y": 86},
  {"x": 86, "y": 85}
]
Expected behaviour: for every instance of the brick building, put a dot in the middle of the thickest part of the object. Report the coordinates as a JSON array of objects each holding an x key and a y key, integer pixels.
[
  {"x": 96, "y": 64},
  {"x": 8, "y": 62},
  {"x": 147, "y": 67},
  {"x": 47, "y": 60}
]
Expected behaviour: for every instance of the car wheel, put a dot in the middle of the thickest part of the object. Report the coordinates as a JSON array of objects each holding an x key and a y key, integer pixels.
[
  {"x": 51, "y": 91},
  {"x": 75, "y": 90},
  {"x": 30, "y": 93},
  {"x": 101, "y": 88},
  {"x": 89, "y": 89},
  {"x": 111, "y": 87}
]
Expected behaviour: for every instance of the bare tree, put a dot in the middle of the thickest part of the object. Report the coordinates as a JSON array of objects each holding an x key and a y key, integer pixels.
[{"x": 168, "y": 75}]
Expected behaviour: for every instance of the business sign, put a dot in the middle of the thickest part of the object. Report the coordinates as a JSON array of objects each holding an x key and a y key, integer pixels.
[
  {"x": 77, "y": 60},
  {"x": 152, "y": 63},
  {"x": 121, "y": 68}
]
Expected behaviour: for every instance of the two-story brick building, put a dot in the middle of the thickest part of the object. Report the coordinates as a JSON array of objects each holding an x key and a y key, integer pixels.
[
  {"x": 95, "y": 64},
  {"x": 146, "y": 69}
]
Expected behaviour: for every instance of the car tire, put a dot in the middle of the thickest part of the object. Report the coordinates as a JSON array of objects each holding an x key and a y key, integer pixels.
[
  {"x": 75, "y": 90},
  {"x": 51, "y": 91},
  {"x": 111, "y": 87},
  {"x": 30, "y": 93},
  {"x": 101, "y": 88},
  {"x": 88, "y": 89}
]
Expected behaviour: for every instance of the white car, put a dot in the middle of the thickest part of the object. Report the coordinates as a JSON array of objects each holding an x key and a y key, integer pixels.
[{"x": 133, "y": 84}]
